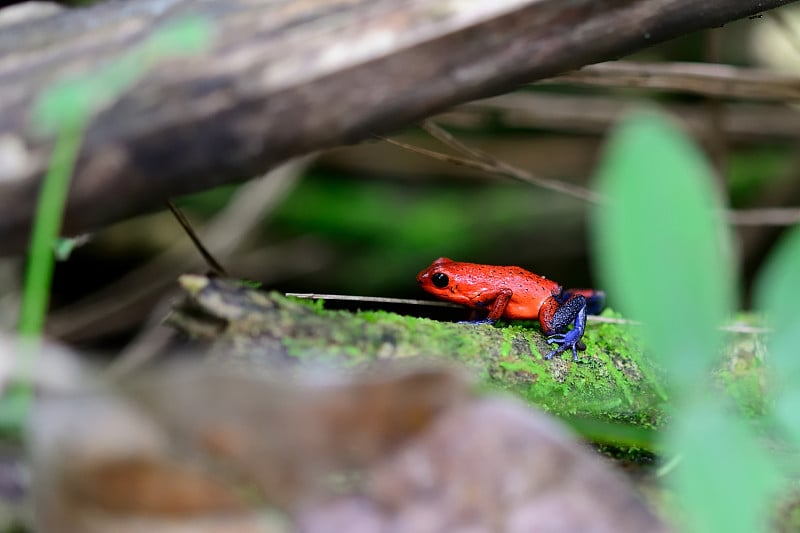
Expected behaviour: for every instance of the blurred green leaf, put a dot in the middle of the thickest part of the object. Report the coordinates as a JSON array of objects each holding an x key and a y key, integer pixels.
[
  {"x": 64, "y": 109},
  {"x": 777, "y": 293},
  {"x": 662, "y": 249},
  {"x": 787, "y": 413},
  {"x": 661, "y": 246},
  {"x": 724, "y": 481},
  {"x": 65, "y": 103}
]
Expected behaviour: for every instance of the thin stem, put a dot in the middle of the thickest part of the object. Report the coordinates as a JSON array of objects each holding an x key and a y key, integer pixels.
[
  {"x": 208, "y": 257},
  {"x": 46, "y": 227},
  {"x": 39, "y": 274}
]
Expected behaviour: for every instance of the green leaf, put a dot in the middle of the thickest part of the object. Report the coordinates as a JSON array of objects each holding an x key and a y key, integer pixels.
[
  {"x": 777, "y": 293},
  {"x": 661, "y": 246},
  {"x": 64, "y": 109},
  {"x": 787, "y": 412},
  {"x": 724, "y": 481},
  {"x": 64, "y": 104}
]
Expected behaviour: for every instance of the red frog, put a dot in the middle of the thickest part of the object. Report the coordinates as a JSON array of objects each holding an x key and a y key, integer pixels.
[{"x": 514, "y": 293}]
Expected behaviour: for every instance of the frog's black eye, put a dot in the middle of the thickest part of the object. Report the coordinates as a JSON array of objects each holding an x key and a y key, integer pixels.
[{"x": 440, "y": 280}]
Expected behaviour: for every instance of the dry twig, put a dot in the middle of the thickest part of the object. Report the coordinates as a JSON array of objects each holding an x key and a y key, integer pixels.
[
  {"x": 595, "y": 114},
  {"x": 506, "y": 171},
  {"x": 707, "y": 79},
  {"x": 490, "y": 165}
]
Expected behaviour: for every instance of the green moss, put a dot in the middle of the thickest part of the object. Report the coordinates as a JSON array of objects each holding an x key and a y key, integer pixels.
[
  {"x": 614, "y": 381},
  {"x": 505, "y": 348},
  {"x": 310, "y": 303}
]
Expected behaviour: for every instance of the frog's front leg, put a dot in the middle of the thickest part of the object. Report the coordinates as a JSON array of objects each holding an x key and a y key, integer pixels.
[
  {"x": 498, "y": 299},
  {"x": 555, "y": 316}
]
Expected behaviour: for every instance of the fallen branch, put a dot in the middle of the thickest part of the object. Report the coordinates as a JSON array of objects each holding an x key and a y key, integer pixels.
[
  {"x": 284, "y": 79},
  {"x": 594, "y": 114},
  {"x": 707, "y": 79}
]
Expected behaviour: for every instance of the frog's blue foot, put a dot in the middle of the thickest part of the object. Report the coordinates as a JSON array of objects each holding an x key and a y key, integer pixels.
[{"x": 570, "y": 340}]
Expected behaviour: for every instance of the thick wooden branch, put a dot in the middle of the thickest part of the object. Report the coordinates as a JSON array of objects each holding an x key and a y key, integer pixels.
[{"x": 285, "y": 78}]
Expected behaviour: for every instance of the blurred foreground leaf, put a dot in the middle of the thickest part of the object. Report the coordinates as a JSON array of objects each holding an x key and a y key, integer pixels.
[
  {"x": 663, "y": 251},
  {"x": 778, "y": 295},
  {"x": 724, "y": 479},
  {"x": 661, "y": 245}
]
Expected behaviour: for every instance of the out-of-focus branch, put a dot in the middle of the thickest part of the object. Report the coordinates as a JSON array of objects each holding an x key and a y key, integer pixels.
[
  {"x": 594, "y": 114},
  {"x": 500, "y": 167},
  {"x": 708, "y": 79},
  {"x": 767, "y": 216},
  {"x": 484, "y": 162},
  {"x": 287, "y": 78}
]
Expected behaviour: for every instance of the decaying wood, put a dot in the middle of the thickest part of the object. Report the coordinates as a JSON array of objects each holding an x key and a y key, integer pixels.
[{"x": 286, "y": 78}]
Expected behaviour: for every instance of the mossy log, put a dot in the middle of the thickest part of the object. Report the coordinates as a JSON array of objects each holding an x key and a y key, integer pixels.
[
  {"x": 611, "y": 379},
  {"x": 614, "y": 380}
]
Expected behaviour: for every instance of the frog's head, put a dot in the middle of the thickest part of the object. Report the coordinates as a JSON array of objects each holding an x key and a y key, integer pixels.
[{"x": 441, "y": 279}]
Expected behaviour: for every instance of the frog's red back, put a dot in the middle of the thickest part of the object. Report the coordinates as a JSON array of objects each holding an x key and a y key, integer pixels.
[{"x": 468, "y": 284}]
